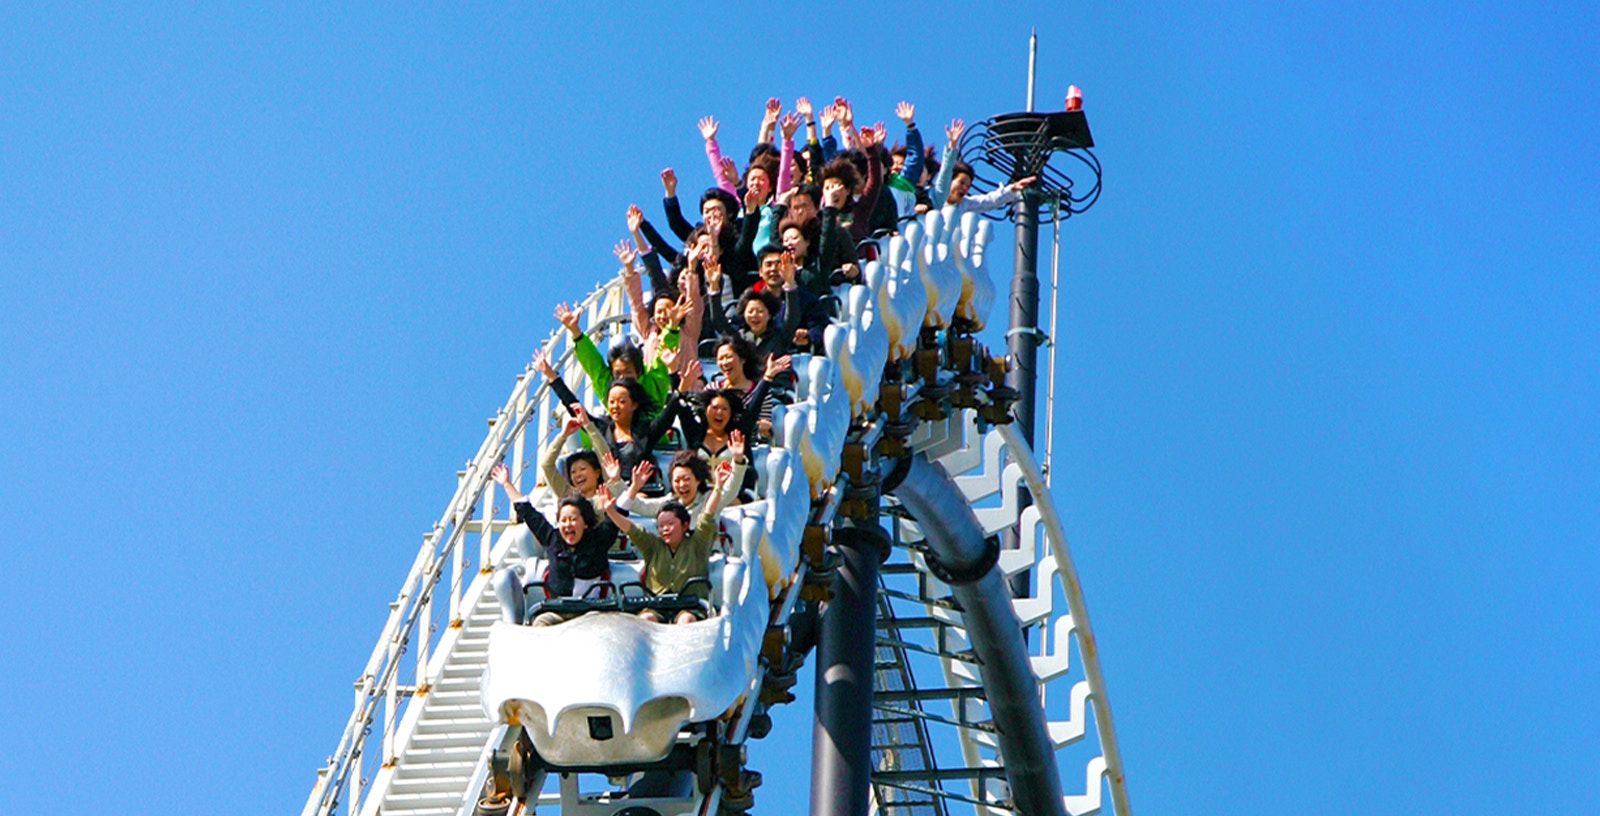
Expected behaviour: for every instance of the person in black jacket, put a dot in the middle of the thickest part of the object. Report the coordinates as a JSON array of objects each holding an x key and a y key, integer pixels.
[
  {"x": 710, "y": 428},
  {"x": 625, "y": 426},
  {"x": 758, "y": 312},
  {"x": 575, "y": 550}
]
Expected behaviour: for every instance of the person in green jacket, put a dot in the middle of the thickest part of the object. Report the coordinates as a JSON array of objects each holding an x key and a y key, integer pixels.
[
  {"x": 624, "y": 360},
  {"x": 654, "y": 364}
]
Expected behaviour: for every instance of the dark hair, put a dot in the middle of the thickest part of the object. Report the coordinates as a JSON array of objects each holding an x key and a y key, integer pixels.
[
  {"x": 897, "y": 150},
  {"x": 584, "y": 455},
  {"x": 766, "y": 164},
  {"x": 745, "y": 351},
  {"x": 735, "y": 402},
  {"x": 930, "y": 160},
  {"x": 658, "y": 297},
  {"x": 802, "y": 166},
  {"x": 768, "y": 249},
  {"x": 676, "y": 508},
  {"x": 961, "y": 167},
  {"x": 585, "y": 507},
  {"x": 700, "y": 468},
  {"x": 764, "y": 150},
  {"x": 811, "y": 191},
  {"x": 810, "y": 229},
  {"x": 844, "y": 171},
  {"x": 730, "y": 204},
  {"x": 636, "y": 392},
  {"x": 767, "y": 300},
  {"x": 626, "y": 350},
  {"x": 694, "y": 236},
  {"x": 884, "y": 157},
  {"x": 730, "y": 211}
]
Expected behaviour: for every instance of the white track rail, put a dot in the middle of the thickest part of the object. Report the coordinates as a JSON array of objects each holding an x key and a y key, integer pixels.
[
  {"x": 427, "y": 739},
  {"x": 989, "y": 467}
]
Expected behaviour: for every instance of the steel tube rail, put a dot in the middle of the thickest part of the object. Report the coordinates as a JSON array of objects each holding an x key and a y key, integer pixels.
[
  {"x": 952, "y": 530},
  {"x": 1068, "y": 576},
  {"x": 446, "y": 537}
]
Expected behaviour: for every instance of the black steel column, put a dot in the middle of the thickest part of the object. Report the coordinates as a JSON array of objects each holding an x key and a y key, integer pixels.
[
  {"x": 841, "y": 733},
  {"x": 1022, "y": 342}
]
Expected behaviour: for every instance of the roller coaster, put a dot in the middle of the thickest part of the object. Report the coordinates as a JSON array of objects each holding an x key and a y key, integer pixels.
[{"x": 904, "y": 538}]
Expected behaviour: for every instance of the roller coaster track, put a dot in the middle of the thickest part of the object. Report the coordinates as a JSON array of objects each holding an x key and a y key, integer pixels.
[{"x": 420, "y": 739}]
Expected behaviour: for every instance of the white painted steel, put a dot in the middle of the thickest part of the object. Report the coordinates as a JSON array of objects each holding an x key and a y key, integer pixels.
[
  {"x": 437, "y": 732},
  {"x": 989, "y": 468}
]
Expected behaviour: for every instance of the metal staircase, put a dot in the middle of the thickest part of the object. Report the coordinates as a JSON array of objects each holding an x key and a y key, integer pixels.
[
  {"x": 934, "y": 745},
  {"x": 445, "y": 740},
  {"x": 928, "y": 678}
]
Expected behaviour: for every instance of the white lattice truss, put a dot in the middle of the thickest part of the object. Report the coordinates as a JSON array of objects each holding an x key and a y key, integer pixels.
[{"x": 418, "y": 739}]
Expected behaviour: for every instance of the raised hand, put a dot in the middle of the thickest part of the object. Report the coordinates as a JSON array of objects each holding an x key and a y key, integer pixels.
[
  {"x": 1016, "y": 186},
  {"x": 724, "y": 474},
  {"x": 669, "y": 183},
  {"x": 501, "y": 475},
  {"x": 905, "y": 111},
  {"x": 610, "y": 466},
  {"x": 730, "y": 171},
  {"x": 802, "y": 106},
  {"x": 847, "y": 115},
  {"x": 694, "y": 377},
  {"x": 786, "y": 268},
  {"x": 641, "y": 475},
  {"x": 574, "y": 423},
  {"x": 736, "y": 443},
  {"x": 776, "y": 365},
  {"x": 789, "y": 124},
  {"x": 542, "y": 363},
  {"x": 603, "y": 497},
  {"x": 713, "y": 267},
  {"x": 770, "y": 115},
  {"x": 624, "y": 252},
  {"x": 752, "y": 200},
  {"x": 833, "y": 195},
  {"x": 668, "y": 357},
  {"x": 682, "y": 310},
  {"x": 708, "y": 128},
  {"x": 953, "y": 131},
  {"x": 568, "y": 318},
  {"x": 635, "y": 218},
  {"x": 872, "y": 135},
  {"x": 829, "y": 113}
]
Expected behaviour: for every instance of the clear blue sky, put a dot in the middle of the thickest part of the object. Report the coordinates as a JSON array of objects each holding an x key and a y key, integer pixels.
[{"x": 1329, "y": 373}]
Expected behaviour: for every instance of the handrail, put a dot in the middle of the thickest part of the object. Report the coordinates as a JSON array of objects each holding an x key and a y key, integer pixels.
[
  {"x": 413, "y": 608},
  {"x": 1067, "y": 574},
  {"x": 379, "y": 677}
]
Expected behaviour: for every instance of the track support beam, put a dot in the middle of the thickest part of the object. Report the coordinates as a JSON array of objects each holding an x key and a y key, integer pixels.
[
  {"x": 951, "y": 529},
  {"x": 841, "y": 738}
]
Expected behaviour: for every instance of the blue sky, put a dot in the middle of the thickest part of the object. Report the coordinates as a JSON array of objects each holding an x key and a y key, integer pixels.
[{"x": 1328, "y": 367}]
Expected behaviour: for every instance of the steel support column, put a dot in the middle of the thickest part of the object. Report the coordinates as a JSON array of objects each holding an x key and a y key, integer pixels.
[
  {"x": 841, "y": 734},
  {"x": 1022, "y": 343}
]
